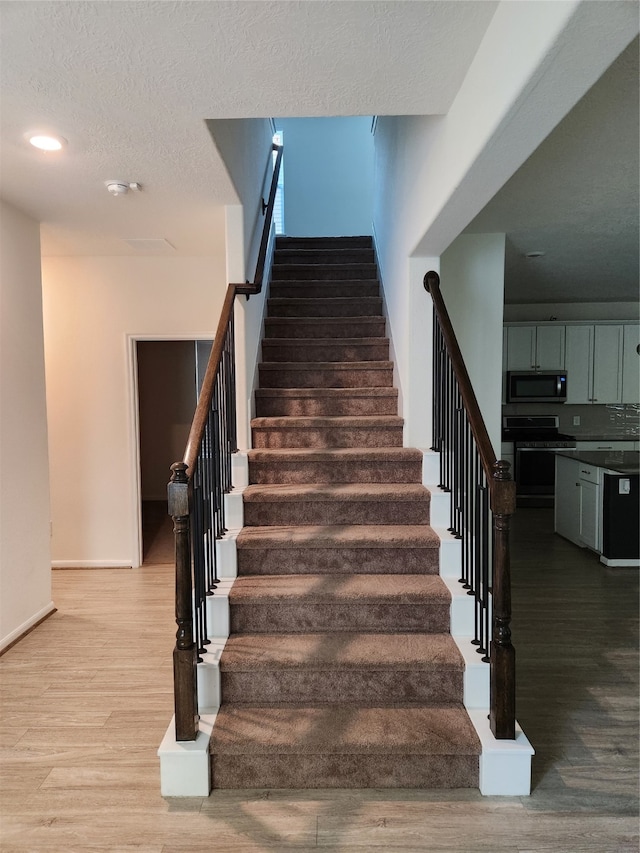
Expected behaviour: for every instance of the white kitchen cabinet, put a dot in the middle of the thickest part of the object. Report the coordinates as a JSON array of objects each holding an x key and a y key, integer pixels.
[
  {"x": 535, "y": 347},
  {"x": 579, "y": 363},
  {"x": 590, "y": 514},
  {"x": 577, "y": 505},
  {"x": 567, "y": 499},
  {"x": 631, "y": 364},
  {"x": 593, "y": 360},
  {"x": 550, "y": 344},
  {"x": 607, "y": 364},
  {"x": 606, "y": 445}
]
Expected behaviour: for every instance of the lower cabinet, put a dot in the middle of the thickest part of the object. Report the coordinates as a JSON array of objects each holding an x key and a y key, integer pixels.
[
  {"x": 567, "y": 501},
  {"x": 578, "y": 503},
  {"x": 590, "y": 515}
]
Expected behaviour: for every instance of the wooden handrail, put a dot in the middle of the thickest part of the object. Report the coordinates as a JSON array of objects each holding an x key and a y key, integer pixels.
[
  {"x": 502, "y": 492},
  {"x": 204, "y": 400},
  {"x": 476, "y": 421},
  {"x": 249, "y": 289},
  {"x": 204, "y": 477}
]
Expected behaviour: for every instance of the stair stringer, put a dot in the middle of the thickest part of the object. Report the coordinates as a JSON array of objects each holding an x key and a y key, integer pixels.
[{"x": 505, "y": 765}]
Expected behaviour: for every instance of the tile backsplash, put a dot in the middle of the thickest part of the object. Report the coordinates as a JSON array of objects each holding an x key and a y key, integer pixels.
[{"x": 613, "y": 421}]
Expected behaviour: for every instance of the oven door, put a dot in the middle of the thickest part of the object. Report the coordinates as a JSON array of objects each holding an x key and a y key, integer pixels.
[{"x": 535, "y": 472}]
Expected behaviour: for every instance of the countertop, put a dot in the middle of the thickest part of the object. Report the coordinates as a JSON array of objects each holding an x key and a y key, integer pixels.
[
  {"x": 620, "y": 461},
  {"x": 608, "y": 438}
]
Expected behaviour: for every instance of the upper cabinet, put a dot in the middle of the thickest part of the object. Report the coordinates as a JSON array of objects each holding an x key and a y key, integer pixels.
[
  {"x": 593, "y": 359},
  {"x": 535, "y": 347},
  {"x": 602, "y": 360},
  {"x": 631, "y": 364}
]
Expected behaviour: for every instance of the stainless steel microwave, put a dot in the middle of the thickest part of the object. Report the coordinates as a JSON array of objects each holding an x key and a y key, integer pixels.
[{"x": 540, "y": 386}]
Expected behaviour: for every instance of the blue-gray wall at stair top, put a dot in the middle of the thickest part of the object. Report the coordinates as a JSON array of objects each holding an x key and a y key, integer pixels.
[{"x": 328, "y": 176}]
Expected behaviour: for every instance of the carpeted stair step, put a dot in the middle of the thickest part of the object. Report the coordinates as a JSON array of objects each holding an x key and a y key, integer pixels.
[
  {"x": 340, "y": 549},
  {"x": 344, "y": 747},
  {"x": 361, "y": 306},
  {"x": 324, "y": 272},
  {"x": 339, "y": 465},
  {"x": 323, "y": 289},
  {"x": 328, "y": 327},
  {"x": 363, "y": 242},
  {"x": 298, "y": 604},
  {"x": 326, "y": 349},
  {"x": 325, "y": 402},
  {"x": 326, "y": 374},
  {"x": 361, "y": 503},
  {"x": 321, "y": 256},
  {"x": 354, "y": 668},
  {"x": 366, "y": 431}
]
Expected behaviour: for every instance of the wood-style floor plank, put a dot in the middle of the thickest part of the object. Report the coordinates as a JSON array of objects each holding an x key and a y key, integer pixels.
[{"x": 86, "y": 698}]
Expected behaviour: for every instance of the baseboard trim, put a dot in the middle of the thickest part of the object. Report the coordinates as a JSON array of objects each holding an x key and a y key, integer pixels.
[
  {"x": 26, "y": 628},
  {"x": 633, "y": 563},
  {"x": 90, "y": 564}
]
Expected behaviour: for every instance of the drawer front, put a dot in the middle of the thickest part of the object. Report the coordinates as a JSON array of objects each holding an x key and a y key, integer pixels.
[
  {"x": 588, "y": 472},
  {"x": 605, "y": 445}
]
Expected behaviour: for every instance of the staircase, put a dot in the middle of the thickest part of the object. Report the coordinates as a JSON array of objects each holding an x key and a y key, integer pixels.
[{"x": 340, "y": 670}]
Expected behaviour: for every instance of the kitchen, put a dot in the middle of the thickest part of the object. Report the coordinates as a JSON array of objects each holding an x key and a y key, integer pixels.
[
  {"x": 571, "y": 428},
  {"x": 571, "y": 271}
]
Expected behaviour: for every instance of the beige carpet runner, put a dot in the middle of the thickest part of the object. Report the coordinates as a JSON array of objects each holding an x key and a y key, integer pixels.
[{"x": 339, "y": 671}]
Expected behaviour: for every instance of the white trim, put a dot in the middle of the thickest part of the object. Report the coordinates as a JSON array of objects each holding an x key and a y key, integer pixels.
[
  {"x": 134, "y": 451},
  {"x": 92, "y": 564},
  {"x": 185, "y": 768},
  {"x": 21, "y": 630},
  {"x": 131, "y": 340},
  {"x": 505, "y": 765},
  {"x": 612, "y": 561}
]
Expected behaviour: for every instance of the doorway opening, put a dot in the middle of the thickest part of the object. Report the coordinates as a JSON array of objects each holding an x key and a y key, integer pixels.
[{"x": 169, "y": 375}]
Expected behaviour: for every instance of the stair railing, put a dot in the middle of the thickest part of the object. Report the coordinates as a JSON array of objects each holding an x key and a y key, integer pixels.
[
  {"x": 482, "y": 496},
  {"x": 197, "y": 488}
]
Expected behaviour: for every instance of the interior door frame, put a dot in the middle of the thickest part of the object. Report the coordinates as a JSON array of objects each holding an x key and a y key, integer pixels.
[{"x": 134, "y": 429}]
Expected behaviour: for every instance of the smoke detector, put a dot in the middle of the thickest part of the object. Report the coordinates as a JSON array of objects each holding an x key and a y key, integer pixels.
[{"x": 117, "y": 188}]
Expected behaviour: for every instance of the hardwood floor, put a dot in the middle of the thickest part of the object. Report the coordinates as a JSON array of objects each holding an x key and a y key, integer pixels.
[{"x": 86, "y": 698}]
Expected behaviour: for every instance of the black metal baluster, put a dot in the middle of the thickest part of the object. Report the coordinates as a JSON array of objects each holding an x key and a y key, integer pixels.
[{"x": 197, "y": 546}]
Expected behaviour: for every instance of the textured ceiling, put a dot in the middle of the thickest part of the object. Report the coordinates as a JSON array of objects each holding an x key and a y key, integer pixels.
[
  {"x": 130, "y": 84},
  {"x": 576, "y": 199}
]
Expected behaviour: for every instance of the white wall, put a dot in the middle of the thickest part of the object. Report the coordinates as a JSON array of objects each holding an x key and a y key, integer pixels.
[
  {"x": 433, "y": 174},
  {"x": 25, "y": 568},
  {"x": 328, "y": 173},
  {"x": 472, "y": 286},
  {"x": 91, "y": 306},
  {"x": 245, "y": 147}
]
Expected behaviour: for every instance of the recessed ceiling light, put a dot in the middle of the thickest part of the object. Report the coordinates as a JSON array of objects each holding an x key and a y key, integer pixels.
[
  {"x": 533, "y": 255},
  {"x": 47, "y": 143}
]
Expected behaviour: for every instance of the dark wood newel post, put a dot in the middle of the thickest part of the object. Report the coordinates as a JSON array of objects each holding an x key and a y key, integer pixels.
[
  {"x": 184, "y": 654},
  {"x": 503, "y": 655}
]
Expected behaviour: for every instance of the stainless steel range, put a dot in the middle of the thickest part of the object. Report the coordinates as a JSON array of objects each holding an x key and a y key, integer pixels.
[{"x": 535, "y": 439}]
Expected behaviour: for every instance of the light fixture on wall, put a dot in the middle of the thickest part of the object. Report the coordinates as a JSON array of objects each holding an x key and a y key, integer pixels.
[{"x": 118, "y": 188}]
